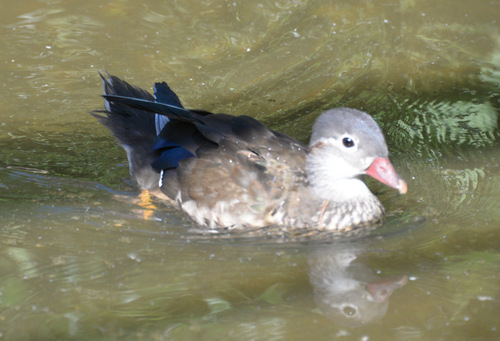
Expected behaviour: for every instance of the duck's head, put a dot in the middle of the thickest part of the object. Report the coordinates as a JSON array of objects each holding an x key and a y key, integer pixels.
[{"x": 345, "y": 144}]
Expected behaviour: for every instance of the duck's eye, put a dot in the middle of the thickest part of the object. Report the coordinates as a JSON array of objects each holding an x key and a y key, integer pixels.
[{"x": 348, "y": 142}]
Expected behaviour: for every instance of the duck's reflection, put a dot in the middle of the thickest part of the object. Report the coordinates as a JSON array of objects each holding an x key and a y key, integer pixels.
[{"x": 346, "y": 290}]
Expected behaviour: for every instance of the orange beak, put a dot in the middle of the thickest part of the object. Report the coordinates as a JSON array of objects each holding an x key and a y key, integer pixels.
[{"x": 382, "y": 170}]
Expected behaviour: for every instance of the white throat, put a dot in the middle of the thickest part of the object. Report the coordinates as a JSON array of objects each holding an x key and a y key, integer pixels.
[
  {"x": 331, "y": 178},
  {"x": 341, "y": 190}
]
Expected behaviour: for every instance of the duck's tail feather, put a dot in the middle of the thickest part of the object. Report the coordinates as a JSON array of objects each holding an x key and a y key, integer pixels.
[
  {"x": 133, "y": 128},
  {"x": 169, "y": 110}
]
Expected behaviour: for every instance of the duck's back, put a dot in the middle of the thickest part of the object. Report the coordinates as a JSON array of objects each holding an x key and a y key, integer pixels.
[{"x": 242, "y": 178}]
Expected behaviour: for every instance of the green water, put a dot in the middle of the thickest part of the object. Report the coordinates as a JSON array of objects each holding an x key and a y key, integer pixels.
[{"x": 78, "y": 259}]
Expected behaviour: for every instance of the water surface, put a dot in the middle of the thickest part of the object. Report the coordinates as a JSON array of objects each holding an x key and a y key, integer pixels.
[{"x": 81, "y": 258}]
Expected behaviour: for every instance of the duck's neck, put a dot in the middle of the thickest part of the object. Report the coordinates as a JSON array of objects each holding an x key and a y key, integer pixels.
[
  {"x": 341, "y": 190},
  {"x": 331, "y": 179},
  {"x": 349, "y": 202}
]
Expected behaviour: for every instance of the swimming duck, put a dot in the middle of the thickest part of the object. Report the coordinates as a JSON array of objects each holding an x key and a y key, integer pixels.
[{"x": 232, "y": 172}]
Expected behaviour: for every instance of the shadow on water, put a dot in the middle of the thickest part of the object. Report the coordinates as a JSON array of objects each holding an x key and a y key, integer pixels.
[{"x": 347, "y": 291}]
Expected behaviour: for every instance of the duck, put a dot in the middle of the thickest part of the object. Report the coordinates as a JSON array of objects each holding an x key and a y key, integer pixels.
[{"x": 232, "y": 172}]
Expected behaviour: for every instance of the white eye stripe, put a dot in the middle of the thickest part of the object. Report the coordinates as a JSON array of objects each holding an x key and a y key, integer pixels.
[
  {"x": 329, "y": 140},
  {"x": 338, "y": 142}
]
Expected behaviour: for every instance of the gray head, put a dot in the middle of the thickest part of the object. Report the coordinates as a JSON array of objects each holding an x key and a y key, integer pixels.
[
  {"x": 345, "y": 144},
  {"x": 345, "y": 126}
]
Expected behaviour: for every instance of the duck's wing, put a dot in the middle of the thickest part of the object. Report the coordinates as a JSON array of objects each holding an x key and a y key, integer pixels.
[
  {"x": 195, "y": 129},
  {"x": 212, "y": 126}
]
